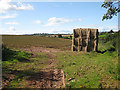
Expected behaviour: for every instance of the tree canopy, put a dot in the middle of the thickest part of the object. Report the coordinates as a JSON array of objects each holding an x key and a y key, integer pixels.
[{"x": 113, "y": 8}]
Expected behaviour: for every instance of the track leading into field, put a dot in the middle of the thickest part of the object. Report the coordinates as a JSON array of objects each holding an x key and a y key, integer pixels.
[{"x": 49, "y": 77}]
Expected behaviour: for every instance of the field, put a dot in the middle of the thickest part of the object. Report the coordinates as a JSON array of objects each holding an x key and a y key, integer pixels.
[
  {"x": 61, "y": 34},
  {"x": 39, "y": 62},
  {"x": 36, "y": 41}
]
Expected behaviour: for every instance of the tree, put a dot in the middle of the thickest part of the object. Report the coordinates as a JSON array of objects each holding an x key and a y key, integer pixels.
[
  {"x": 70, "y": 37},
  {"x": 59, "y": 36},
  {"x": 111, "y": 31},
  {"x": 113, "y": 8}
]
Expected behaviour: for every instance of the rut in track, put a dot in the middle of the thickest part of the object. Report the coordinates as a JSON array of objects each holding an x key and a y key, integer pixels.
[{"x": 49, "y": 77}]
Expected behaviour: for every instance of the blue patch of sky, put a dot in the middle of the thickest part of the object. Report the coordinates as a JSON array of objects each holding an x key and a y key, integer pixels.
[{"x": 90, "y": 14}]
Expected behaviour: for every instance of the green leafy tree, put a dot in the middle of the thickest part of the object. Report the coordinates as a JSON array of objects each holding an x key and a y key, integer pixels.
[{"x": 113, "y": 8}]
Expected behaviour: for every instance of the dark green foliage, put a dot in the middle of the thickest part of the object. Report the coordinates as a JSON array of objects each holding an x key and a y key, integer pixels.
[
  {"x": 41, "y": 34},
  {"x": 112, "y": 9},
  {"x": 102, "y": 33},
  {"x": 111, "y": 31},
  {"x": 12, "y": 55},
  {"x": 70, "y": 37},
  {"x": 67, "y": 37},
  {"x": 59, "y": 36},
  {"x": 7, "y": 53},
  {"x": 113, "y": 39}
]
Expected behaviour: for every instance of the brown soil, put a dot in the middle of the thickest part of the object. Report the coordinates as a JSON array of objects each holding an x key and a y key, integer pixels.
[
  {"x": 48, "y": 77},
  {"x": 40, "y": 49},
  {"x": 53, "y": 78}
]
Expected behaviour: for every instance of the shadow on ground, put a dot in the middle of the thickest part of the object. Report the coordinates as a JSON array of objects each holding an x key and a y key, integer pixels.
[
  {"x": 42, "y": 79},
  {"x": 110, "y": 50},
  {"x": 10, "y": 55}
]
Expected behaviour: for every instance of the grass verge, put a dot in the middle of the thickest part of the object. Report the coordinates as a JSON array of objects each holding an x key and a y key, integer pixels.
[{"x": 89, "y": 70}]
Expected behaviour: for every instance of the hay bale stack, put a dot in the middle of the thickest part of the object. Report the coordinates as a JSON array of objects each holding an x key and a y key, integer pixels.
[{"x": 85, "y": 39}]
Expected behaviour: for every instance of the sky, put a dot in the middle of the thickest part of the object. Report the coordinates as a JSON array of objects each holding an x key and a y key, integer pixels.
[{"x": 52, "y": 17}]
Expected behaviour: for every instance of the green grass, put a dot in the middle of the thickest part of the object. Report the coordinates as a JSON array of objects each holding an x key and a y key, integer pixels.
[
  {"x": 10, "y": 57},
  {"x": 90, "y": 70},
  {"x": 102, "y": 36},
  {"x": 22, "y": 70},
  {"x": 17, "y": 42}
]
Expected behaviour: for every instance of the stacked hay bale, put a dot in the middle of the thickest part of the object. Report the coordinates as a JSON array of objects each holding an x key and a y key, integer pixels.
[{"x": 85, "y": 39}]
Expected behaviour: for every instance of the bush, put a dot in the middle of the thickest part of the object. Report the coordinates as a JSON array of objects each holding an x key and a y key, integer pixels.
[
  {"x": 111, "y": 31},
  {"x": 59, "y": 36},
  {"x": 70, "y": 37},
  {"x": 102, "y": 33},
  {"x": 113, "y": 39},
  {"x": 66, "y": 37}
]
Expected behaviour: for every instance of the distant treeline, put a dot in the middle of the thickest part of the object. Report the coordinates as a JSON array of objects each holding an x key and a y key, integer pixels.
[
  {"x": 47, "y": 34},
  {"x": 111, "y": 31},
  {"x": 65, "y": 36}
]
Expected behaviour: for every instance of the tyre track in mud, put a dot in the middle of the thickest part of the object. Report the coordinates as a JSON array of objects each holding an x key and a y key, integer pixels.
[{"x": 49, "y": 77}]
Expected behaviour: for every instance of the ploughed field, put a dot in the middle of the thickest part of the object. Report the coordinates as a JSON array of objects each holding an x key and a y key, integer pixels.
[
  {"x": 22, "y": 41},
  {"x": 47, "y": 62}
]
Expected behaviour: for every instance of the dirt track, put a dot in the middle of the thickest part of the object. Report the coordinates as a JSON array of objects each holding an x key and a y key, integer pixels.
[{"x": 48, "y": 77}]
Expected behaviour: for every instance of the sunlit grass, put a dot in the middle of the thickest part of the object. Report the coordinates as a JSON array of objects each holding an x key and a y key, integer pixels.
[{"x": 89, "y": 70}]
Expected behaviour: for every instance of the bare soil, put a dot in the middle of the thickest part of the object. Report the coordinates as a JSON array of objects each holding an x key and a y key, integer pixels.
[
  {"x": 40, "y": 49},
  {"x": 53, "y": 78}
]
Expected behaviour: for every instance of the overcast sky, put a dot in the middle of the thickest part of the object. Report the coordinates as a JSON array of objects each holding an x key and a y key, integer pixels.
[{"x": 52, "y": 17}]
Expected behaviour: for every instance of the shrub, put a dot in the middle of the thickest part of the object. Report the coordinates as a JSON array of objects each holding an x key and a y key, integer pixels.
[
  {"x": 113, "y": 39},
  {"x": 59, "y": 36}
]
